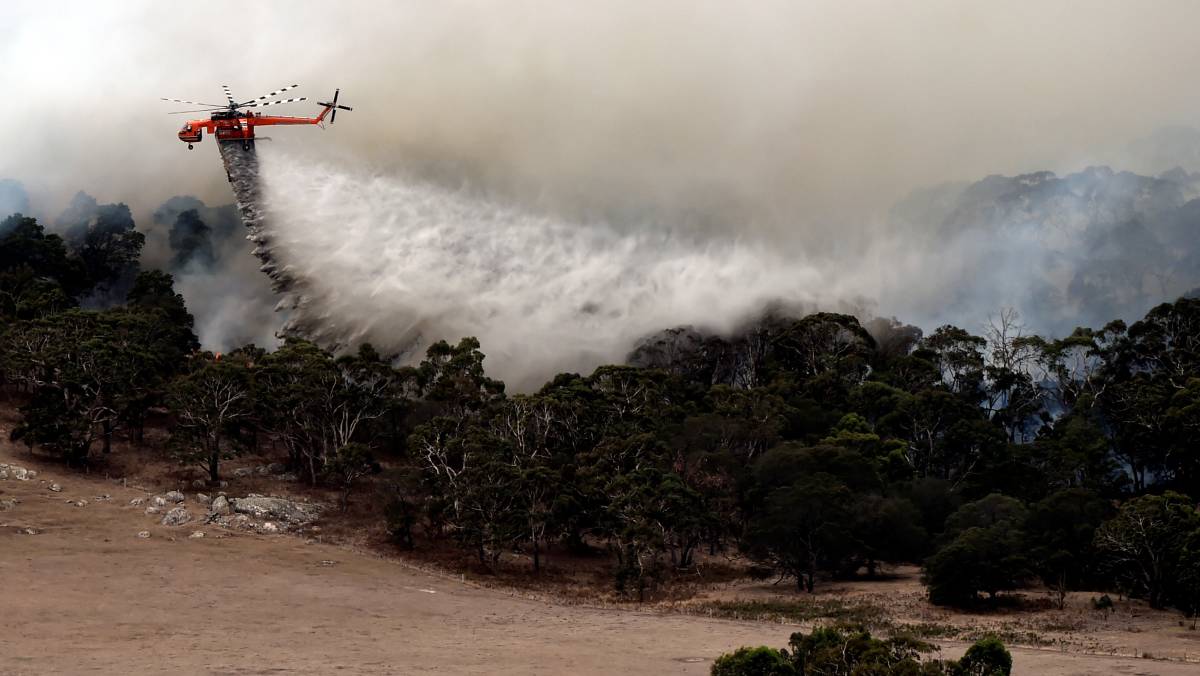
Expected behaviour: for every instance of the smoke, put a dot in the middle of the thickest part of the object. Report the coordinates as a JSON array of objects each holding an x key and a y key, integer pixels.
[
  {"x": 615, "y": 151},
  {"x": 205, "y": 249},
  {"x": 13, "y": 198}
]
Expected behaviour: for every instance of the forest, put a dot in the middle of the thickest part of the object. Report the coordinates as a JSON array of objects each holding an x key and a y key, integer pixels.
[{"x": 817, "y": 446}]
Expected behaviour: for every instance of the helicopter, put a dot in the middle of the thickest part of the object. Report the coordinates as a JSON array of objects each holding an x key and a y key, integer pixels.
[{"x": 231, "y": 123}]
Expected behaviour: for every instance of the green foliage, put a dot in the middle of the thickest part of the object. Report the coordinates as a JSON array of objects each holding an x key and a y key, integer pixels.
[
  {"x": 208, "y": 405},
  {"x": 760, "y": 661},
  {"x": 984, "y": 552},
  {"x": 347, "y": 465},
  {"x": 987, "y": 657},
  {"x": 1149, "y": 547},
  {"x": 849, "y": 651}
]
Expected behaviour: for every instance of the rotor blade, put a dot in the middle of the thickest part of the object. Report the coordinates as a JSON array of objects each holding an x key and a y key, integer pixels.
[
  {"x": 272, "y": 103},
  {"x": 335, "y": 95},
  {"x": 277, "y": 92},
  {"x": 196, "y": 103},
  {"x": 229, "y": 95},
  {"x": 333, "y": 118},
  {"x": 202, "y": 110},
  {"x": 345, "y": 107}
]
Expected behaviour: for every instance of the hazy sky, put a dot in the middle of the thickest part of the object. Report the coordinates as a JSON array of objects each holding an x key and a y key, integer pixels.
[{"x": 782, "y": 116}]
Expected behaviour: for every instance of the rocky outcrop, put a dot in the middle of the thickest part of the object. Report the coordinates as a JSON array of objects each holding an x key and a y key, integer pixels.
[
  {"x": 290, "y": 512},
  {"x": 176, "y": 517}
]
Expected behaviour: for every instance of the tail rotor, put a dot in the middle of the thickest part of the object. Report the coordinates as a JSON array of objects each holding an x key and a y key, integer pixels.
[{"x": 333, "y": 105}]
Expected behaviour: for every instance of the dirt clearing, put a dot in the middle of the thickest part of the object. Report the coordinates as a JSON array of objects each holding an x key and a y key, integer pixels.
[{"x": 80, "y": 592}]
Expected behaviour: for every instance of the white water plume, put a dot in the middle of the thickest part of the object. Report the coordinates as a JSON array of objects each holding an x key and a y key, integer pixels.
[{"x": 402, "y": 263}]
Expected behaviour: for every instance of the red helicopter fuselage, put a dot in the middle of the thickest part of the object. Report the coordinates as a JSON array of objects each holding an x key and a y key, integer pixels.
[{"x": 239, "y": 126}]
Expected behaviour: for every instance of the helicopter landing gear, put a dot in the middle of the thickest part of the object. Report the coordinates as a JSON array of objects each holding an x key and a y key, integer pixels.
[{"x": 190, "y": 146}]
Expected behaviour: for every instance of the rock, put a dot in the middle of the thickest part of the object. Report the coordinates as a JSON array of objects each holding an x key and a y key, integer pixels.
[
  {"x": 220, "y": 506},
  {"x": 151, "y": 511},
  {"x": 158, "y": 501},
  {"x": 30, "y": 530},
  {"x": 276, "y": 468},
  {"x": 288, "y": 477},
  {"x": 31, "y": 474},
  {"x": 198, "y": 484},
  {"x": 269, "y": 528},
  {"x": 243, "y": 472},
  {"x": 3, "y": 474},
  {"x": 56, "y": 488},
  {"x": 279, "y": 509},
  {"x": 80, "y": 503},
  {"x": 136, "y": 502},
  {"x": 145, "y": 534},
  {"x": 174, "y": 496},
  {"x": 106, "y": 496},
  {"x": 203, "y": 499},
  {"x": 262, "y": 470},
  {"x": 223, "y": 484},
  {"x": 6, "y": 505},
  {"x": 176, "y": 517},
  {"x": 20, "y": 473},
  {"x": 196, "y": 534}
]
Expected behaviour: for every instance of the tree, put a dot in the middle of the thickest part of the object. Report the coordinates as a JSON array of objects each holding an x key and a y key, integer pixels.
[
  {"x": 109, "y": 248},
  {"x": 207, "y": 404},
  {"x": 801, "y": 527},
  {"x": 1060, "y": 530},
  {"x": 1144, "y": 547},
  {"x": 983, "y": 551},
  {"x": 349, "y": 464},
  {"x": 191, "y": 239}
]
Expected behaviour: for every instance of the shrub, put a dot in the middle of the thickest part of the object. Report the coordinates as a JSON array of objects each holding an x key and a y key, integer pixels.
[
  {"x": 988, "y": 657},
  {"x": 760, "y": 661}
]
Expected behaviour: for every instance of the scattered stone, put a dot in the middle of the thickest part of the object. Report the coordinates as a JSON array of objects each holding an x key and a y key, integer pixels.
[
  {"x": 145, "y": 534},
  {"x": 174, "y": 496},
  {"x": 100, "y": 498},
  {"x": 198, "y": 484},
  {"x": 262, "y": 470},
  {"x": 203, "y": 499},
  {"x": 158, "y": 501},
  {"x": 220, "y": 506},
  {"x": 276, "y": 468},
  {"x": 242, "y": 472},
  {"x": 56, "y": 488},
  {"x": 3, "y": 473},
  {"x": 151, "y": 511},
  {"x": 196, "y": 534},
  {"x": 6, "y": 505},
  {"x": 20, "y": 473},
  {"x": 288, "y": 477},
  {"x": 30, "y": 530},
  {"x": 269, "y": 527},
  {"x": 289, "y": 511},
  {"x": 223, "y": 484},
  {"x": 176, "y": 517},
  {"x": 136, "y": 502},
  {"x": 80, "y": 503},
  {"x": 31, "y": 474}
]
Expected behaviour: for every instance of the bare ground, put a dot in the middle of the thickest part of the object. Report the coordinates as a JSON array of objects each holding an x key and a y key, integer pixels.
[{"x": 84, "y": 594}]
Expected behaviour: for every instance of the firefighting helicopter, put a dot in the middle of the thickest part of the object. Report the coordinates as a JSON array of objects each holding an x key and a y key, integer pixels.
[{"x": 230, "y": 123}]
